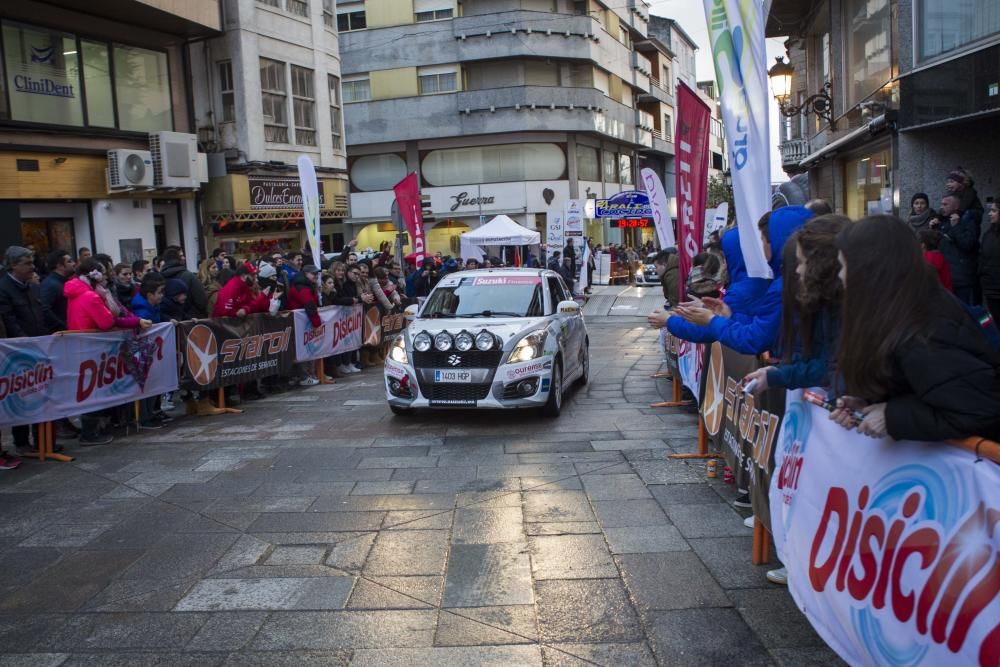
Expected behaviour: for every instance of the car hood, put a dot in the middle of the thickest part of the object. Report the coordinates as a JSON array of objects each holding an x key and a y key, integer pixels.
[{"x": 506, "y": 328}]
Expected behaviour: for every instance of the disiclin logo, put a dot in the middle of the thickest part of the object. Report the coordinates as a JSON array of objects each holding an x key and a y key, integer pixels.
[
  {"x": 25, "y": 377},
  {"x": 108, "y": 370}
]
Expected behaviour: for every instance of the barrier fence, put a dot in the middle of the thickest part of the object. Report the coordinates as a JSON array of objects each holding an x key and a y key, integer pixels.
[
  {"x": 46, "y": 378},
  {"x": 892, "y": 548}
]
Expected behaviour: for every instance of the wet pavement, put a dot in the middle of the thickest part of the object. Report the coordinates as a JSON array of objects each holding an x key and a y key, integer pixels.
[{"x": 316, "y": 528}]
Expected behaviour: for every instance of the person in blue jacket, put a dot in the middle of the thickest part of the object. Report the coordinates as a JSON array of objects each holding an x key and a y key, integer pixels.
[
  {"x": 146, "y": 304},
  {"x": 742, "y": 295},
  {"x": 755, "y": 332}
]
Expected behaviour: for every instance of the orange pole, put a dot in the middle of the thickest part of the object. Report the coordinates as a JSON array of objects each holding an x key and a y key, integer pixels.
[
  {"x": 760, "y": 552},
  {"x": 981, "y": 447},
  {"x": 676, "y": 402}
]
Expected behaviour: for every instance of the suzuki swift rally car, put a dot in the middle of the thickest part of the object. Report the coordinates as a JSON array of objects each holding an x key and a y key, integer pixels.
[{"x": 495, "y": 338}]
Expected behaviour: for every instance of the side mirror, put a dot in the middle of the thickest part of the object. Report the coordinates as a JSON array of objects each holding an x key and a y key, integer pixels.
[
  {"x": 411, "y": 312},
  {"x": 568, "y": 307}
]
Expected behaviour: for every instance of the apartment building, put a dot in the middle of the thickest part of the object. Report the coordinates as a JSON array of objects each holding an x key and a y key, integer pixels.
[{"x": 267, "y": 91}]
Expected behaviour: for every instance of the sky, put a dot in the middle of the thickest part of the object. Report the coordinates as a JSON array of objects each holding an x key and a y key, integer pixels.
[{"x": 691, "y": 16}]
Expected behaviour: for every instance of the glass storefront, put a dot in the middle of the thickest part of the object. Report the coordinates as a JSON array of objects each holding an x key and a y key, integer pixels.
[
  {"x": 868, "y": 184},
  {"x": 48, "y": 234}
]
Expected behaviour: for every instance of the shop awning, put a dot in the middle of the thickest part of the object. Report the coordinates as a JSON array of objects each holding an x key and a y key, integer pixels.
[{"x": 501, "y": 230}]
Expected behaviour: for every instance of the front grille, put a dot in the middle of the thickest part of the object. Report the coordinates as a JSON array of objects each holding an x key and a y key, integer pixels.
[
  {"x": 470, "y": 359},
  {"x": 455, "y": 392}
]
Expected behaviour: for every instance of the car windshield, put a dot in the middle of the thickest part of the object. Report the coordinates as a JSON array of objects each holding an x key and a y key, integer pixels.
[
  {"x": 485, "y": 296},
  {"x": 650, "y": 257}
]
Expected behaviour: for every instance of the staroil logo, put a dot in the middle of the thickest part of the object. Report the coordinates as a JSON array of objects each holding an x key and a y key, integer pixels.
[
  {"x": 202, "y": 354},
  {"x": 715, "y": 385}
]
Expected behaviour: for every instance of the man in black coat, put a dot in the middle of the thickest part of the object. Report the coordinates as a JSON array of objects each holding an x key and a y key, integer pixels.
[
  {"x": 21, "y": 312},
  {"x": 174, "y": 266},
  {"x": 62, "y": 267},
  {"x": 960, "y": 246}
]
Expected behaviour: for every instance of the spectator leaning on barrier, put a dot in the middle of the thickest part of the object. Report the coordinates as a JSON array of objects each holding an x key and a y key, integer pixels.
[
  {"x": 667, "y": 266},
  {"x": 147, "y": 304},
  {"x": 302, "y": 294},
  {"x": 174, "y": 267},
  {"x": 757, "y": 331},
  {"x": 62, "y": 268},
  {"x": 174, "y": 304},
  {"x": 911, "y": 357},
  {"x": 124, "y": 288},
  {"x": 22, "y": 316},
  {"x": 237, "y": 297}
]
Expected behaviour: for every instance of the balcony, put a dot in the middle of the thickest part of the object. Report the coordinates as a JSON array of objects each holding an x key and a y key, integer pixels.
[
  {"x": 191, "y": 18},
  {"x": 663, "y": 143},
  {"x": 490, "y": 111},
  {"x": 657, "y": 92},
  {"x": 639, "y": 15},
  {"x": 793, "y": 152}
]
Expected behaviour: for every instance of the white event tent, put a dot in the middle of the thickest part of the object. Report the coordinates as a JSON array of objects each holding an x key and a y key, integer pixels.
[{"x": 500, "y": 231}]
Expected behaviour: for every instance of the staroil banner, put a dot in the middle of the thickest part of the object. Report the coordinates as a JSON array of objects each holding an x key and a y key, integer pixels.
[{"x": 225, "y": 351}]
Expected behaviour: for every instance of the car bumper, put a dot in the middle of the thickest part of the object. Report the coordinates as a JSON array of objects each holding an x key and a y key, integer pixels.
[
  {"x": 646, "y": 281},
  {"x": 501, "y": 394}
]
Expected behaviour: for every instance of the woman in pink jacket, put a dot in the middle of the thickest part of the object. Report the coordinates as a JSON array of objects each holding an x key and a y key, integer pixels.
[{"x": 90, "y": 305}]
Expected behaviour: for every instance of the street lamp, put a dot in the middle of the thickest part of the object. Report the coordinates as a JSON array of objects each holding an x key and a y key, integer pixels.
[{"x": 820, "y": 104}]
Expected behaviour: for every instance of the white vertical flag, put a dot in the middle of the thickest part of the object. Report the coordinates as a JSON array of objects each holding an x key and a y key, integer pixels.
[
  {"x": 582, "y": 283},
  {"x": 310, "y": 204},
  {"x": 736, "y": 32},
  {"x": 661, "y": 208}
]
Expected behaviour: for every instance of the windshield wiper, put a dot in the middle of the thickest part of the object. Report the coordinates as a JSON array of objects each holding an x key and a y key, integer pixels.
[{"x": 492, "y": 313}]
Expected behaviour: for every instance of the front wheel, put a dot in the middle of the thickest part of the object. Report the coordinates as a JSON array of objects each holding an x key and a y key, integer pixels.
[
  {"x": 553, "y": 406},
  {"x": 401, "y": 412}
]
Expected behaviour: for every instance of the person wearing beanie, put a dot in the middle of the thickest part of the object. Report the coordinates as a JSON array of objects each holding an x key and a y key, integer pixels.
[
  {"x": 959, "y": 183},
  {"x": 921, "y": 212},
  {"x": 174, "y": 304}
]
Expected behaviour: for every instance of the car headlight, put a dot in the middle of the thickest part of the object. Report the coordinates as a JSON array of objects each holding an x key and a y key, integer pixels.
[
  {"x": 528, "y": 348},
  {"x": 485, "y": 341},
  {"x": 464, "y": 341},
  {"x": 443, "y": 341},
  {"x": 422, "y": 342},
  {"x": 397, "y": 352},
  {"x": 638, "y": 274}
]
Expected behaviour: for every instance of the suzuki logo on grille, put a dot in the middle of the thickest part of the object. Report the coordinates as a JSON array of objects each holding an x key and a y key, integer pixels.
[{"x": 454, "y": 360}]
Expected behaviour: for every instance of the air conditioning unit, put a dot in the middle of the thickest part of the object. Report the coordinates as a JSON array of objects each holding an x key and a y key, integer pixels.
[
  {"x": 129, "y": 169},
  {"x": 175, "y": 160}
]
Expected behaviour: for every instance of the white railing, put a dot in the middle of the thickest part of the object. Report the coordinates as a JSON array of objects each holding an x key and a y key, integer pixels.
[{"x": 794, "y": 151}]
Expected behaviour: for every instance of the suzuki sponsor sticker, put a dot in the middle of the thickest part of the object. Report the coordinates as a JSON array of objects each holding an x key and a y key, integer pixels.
[{"x": 485, "y": 281}]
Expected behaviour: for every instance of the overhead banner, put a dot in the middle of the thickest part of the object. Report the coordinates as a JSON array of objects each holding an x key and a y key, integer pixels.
[
  {"x": 340, "y": 331},
  {"x": 891, "y": 547},
  {"x": 628, "y": 204},
  {"x": 742, "y": 426},
  {"x": 736, "y": 32},
  {"x": 691, "y": 161},
  {"x": 555, "y": 239},
  {"x": 686, "y": 359},
  {"x": 573, "y": 219},
  {"x": 310, "y": 205},
  {"x": 381, "y": 326},
  {"x": 408, "y": 200},
  {"x": 661, "y": 208},
  {"x": 225, "y": 351},
  {"x": 51, "y": 377}
]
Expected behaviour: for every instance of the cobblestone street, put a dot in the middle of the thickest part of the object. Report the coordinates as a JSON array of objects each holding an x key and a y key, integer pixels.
[{"x": 316, "y": 528}]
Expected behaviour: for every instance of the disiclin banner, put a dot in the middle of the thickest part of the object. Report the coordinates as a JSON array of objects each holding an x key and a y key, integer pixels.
[
  {"x": 685, "y": 358},
  {"x": 50, "y": 377},
  {"x": 742, "y": 426},
  {"x": 230, "y": 350},
  {"x": 340, "y": 331},
  {"x": 660, "y": 207},
  {"x": 891, "y": 546},
  {"x": 691, "y": 163}
]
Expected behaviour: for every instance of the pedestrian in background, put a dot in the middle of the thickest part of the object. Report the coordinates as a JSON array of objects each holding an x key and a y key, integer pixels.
[
  {"x": 989, "y": 262},
  {"x": 921, "y": 213}
]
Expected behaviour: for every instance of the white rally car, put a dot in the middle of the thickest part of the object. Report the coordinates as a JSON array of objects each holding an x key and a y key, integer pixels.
[{"x": 495, "y": 338}]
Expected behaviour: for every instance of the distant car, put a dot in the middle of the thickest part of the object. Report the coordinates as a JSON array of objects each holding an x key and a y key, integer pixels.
[
  {"x": 493, "y": 338},
  {"x": 646, "y": 276}
]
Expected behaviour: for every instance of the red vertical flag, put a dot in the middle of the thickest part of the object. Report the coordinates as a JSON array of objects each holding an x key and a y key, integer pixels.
[
  {"x": 691, "y": 167},
  {"x": 408, "y": 199}
]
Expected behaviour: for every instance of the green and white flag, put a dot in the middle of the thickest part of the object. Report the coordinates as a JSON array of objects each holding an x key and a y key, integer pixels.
[{"x": 310, "y": 204}]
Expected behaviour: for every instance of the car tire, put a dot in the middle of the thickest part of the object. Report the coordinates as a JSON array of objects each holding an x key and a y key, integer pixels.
[
  {"x": 553, "y": 406},
  {"x": 585, "y": 375},
  {"x": 401, "y": 412}
]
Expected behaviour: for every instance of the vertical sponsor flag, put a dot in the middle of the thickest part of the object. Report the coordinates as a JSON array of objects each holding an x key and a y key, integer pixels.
[
  {"x": 691, "y": 161},
  {"x": 573, "y": 218},
  {"x": 661, "y": 208},
  {"x": 408, "y": 198},
  {"x": 582, "y": 283},
  {"x": 736, "y": 31},
  {"x": 310, "y": 204},
  {"x": 554, "y": 239}
]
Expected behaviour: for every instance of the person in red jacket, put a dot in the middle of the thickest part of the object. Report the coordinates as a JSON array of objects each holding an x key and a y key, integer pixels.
[
  {"x": 237, "y": 297},
  {"x": 302, "y": 293},
  {"x": 930, "y": 240}
]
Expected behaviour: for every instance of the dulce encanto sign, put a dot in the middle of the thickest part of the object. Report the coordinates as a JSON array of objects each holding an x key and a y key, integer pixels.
[{"x": 268, "y": 193}]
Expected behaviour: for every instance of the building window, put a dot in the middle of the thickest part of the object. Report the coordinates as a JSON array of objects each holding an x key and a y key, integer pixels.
[
  {"x": 868, "y": 184},
  {"x": 143, "y": 89},
  {"x": 371, "y": 173},
  {"x": 494, "y": 164},
  {"x": 433, "y": 80},
  {"x": 351, "y": 17},
  {"x": 357, "y": 90},
  {"x": 298, "y": 7},
  {"x": 588, "y": 165},
  {"x": 125, "y": 87},
  {"x": 274, "y": 100},
  {"x": 625, "y": 168},
  {"x": 304, "y": 106},
  {"x": 270, "y": 3},
  {"x": 943, "y": 27},
  {"x": 336, "y": 122},
  {"x": 329, "y": 14},
  {"x": 623, "y": 35},
  {"x": 610, "y": 167},
  {"x": 869, "y": 62},
  {"x": 434, "y": 15},
  {"x": 227, "y": 91},
  {"x": 668, "y": 127}
]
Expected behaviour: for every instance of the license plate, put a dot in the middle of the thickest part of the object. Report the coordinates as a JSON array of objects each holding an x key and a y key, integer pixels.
[{"x": 453, "y": 376}]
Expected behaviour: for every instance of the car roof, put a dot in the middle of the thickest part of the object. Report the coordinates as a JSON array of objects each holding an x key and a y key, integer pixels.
[{"x": 508, "y": 271}]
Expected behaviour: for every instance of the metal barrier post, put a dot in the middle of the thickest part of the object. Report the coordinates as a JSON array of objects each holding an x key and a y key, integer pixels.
[
  {"x": 321, "y": 373},
  {"x": 45, "y": 442},
  {"x": 222, "y": 403},
  {"x": 677, "y": 402},
  {"x": 761, "y": 550}
]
